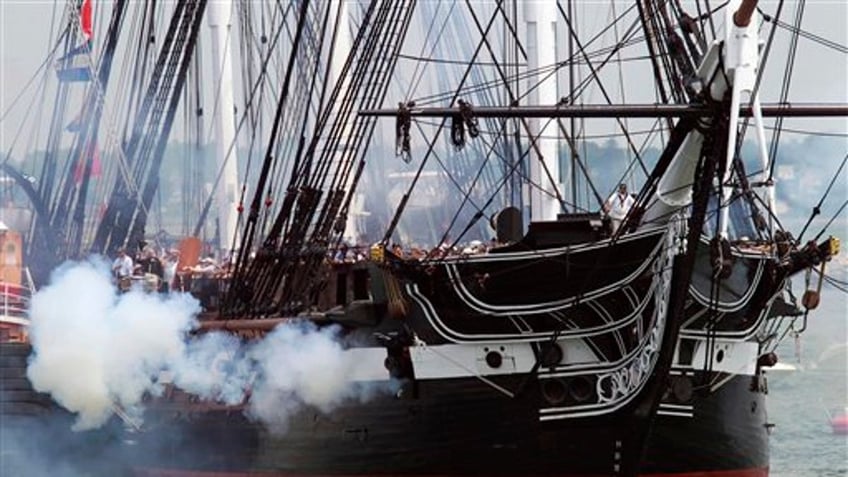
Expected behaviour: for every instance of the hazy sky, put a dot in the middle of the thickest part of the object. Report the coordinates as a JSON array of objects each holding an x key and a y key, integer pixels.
[{"x": 820, "y": 75}]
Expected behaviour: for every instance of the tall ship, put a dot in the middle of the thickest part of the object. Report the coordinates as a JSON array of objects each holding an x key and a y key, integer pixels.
[{"x": 404, "y": 320}]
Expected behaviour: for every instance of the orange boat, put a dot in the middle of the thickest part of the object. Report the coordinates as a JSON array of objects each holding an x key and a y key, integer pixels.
[{"x": 15, "y": 288}]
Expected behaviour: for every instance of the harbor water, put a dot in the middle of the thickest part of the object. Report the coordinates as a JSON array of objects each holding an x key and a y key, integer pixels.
[{"x": 801, "y": 402}]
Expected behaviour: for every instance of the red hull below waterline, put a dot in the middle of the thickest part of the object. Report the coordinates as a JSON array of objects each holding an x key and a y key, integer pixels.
[{"x": 760, "y": 472}]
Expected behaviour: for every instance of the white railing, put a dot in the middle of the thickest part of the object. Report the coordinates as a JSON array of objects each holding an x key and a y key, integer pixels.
[{"x": 14, "y": 314}]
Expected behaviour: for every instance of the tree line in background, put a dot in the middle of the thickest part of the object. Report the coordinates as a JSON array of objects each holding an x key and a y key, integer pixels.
[{"x": 804, "y": 169}]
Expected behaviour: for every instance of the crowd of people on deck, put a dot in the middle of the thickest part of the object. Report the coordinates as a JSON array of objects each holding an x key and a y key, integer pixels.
[
  {"x": 159, "y": 269},
  {"x": 348, "y": 254}
]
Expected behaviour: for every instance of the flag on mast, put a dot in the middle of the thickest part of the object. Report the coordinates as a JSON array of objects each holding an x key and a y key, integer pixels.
[
  {"x": 67, "y": 72},
  {"x": 85, "y": 19},
  {"x": 96, "y": 168}
]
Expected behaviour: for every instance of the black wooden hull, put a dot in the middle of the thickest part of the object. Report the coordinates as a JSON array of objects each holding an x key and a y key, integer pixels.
[
  {"x": 727, "y": 432},
  {"x": 459, "y": 413},
  {"x": 513, "y": 422},
  {"x": 471, "y": 433}
]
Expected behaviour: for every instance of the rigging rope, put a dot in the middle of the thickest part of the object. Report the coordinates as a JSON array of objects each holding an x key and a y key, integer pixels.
[
  {"x": 256, "y": 86},
  {"x": 796, "y": 30},
  {"x": 416, "y": 77},
  {"x": 817, "y": 208},
  {"x": 47, "y": 60},
  {"x": 594, "y": 75},
  {"x": 784, "y": 92},
  {"x": 840, "y": 285},
  {"x": 829, "y": 222}
]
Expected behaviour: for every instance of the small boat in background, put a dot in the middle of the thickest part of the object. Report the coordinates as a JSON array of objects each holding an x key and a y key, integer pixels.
[
  {"x": 839, "y": 422},
  {"x": 783, "y": 367}
]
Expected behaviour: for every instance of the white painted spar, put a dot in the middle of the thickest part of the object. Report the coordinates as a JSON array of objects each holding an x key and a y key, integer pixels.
[
  {"x": 540, "y": 18},
  {"x": 220, "y": 14},
  {"x": 674, "y": 190},
  {"x": 741, "y": 63}
]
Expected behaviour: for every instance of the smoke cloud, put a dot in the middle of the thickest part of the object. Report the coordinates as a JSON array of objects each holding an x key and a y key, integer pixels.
[
  {"x": 289, "y": 380},
  {"x": 98, "y": 353}
]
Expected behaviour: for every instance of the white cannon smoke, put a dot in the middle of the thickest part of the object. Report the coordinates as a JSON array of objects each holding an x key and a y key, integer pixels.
[{"x": 96, "y": 351}]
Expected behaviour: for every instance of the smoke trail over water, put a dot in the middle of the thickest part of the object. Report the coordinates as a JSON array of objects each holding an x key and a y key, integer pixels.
[{"x": 96, "y": 351}]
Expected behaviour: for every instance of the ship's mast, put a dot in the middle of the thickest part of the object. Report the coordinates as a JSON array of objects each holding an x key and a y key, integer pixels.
[
  {"x": 540, "y": 22},
  {"x": 220, "y": 14},
  {"x": 344, "y": 40},
  {"x": 741, "y": 60}
]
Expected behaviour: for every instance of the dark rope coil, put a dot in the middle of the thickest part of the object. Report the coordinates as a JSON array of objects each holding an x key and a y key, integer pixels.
[
  {"x": 462, "y": 121},
  {"x": 457, "y": 132},
  {"x": 468, "y": 118},
  {"x": 403, "y": 123}
]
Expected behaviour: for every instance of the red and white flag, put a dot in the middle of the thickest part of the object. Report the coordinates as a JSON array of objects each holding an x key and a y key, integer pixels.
[
  {"x": 96, "y": 167},
  {"x": 85, "y": 19}
]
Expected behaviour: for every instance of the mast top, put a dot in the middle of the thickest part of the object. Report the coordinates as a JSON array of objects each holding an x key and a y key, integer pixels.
[{"x": 742, "y": 16}]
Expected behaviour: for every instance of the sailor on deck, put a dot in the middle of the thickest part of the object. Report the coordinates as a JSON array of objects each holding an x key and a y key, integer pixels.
[
  {"x": 122, "y": 267},
  {"x": 617, "y": 207}
]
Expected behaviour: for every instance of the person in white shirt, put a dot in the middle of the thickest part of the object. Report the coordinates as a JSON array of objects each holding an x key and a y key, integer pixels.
[
  {"x": 617, "y": 207},
  {"x": 170, "y": 268},
  {"x": 122, "y": 268}
]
